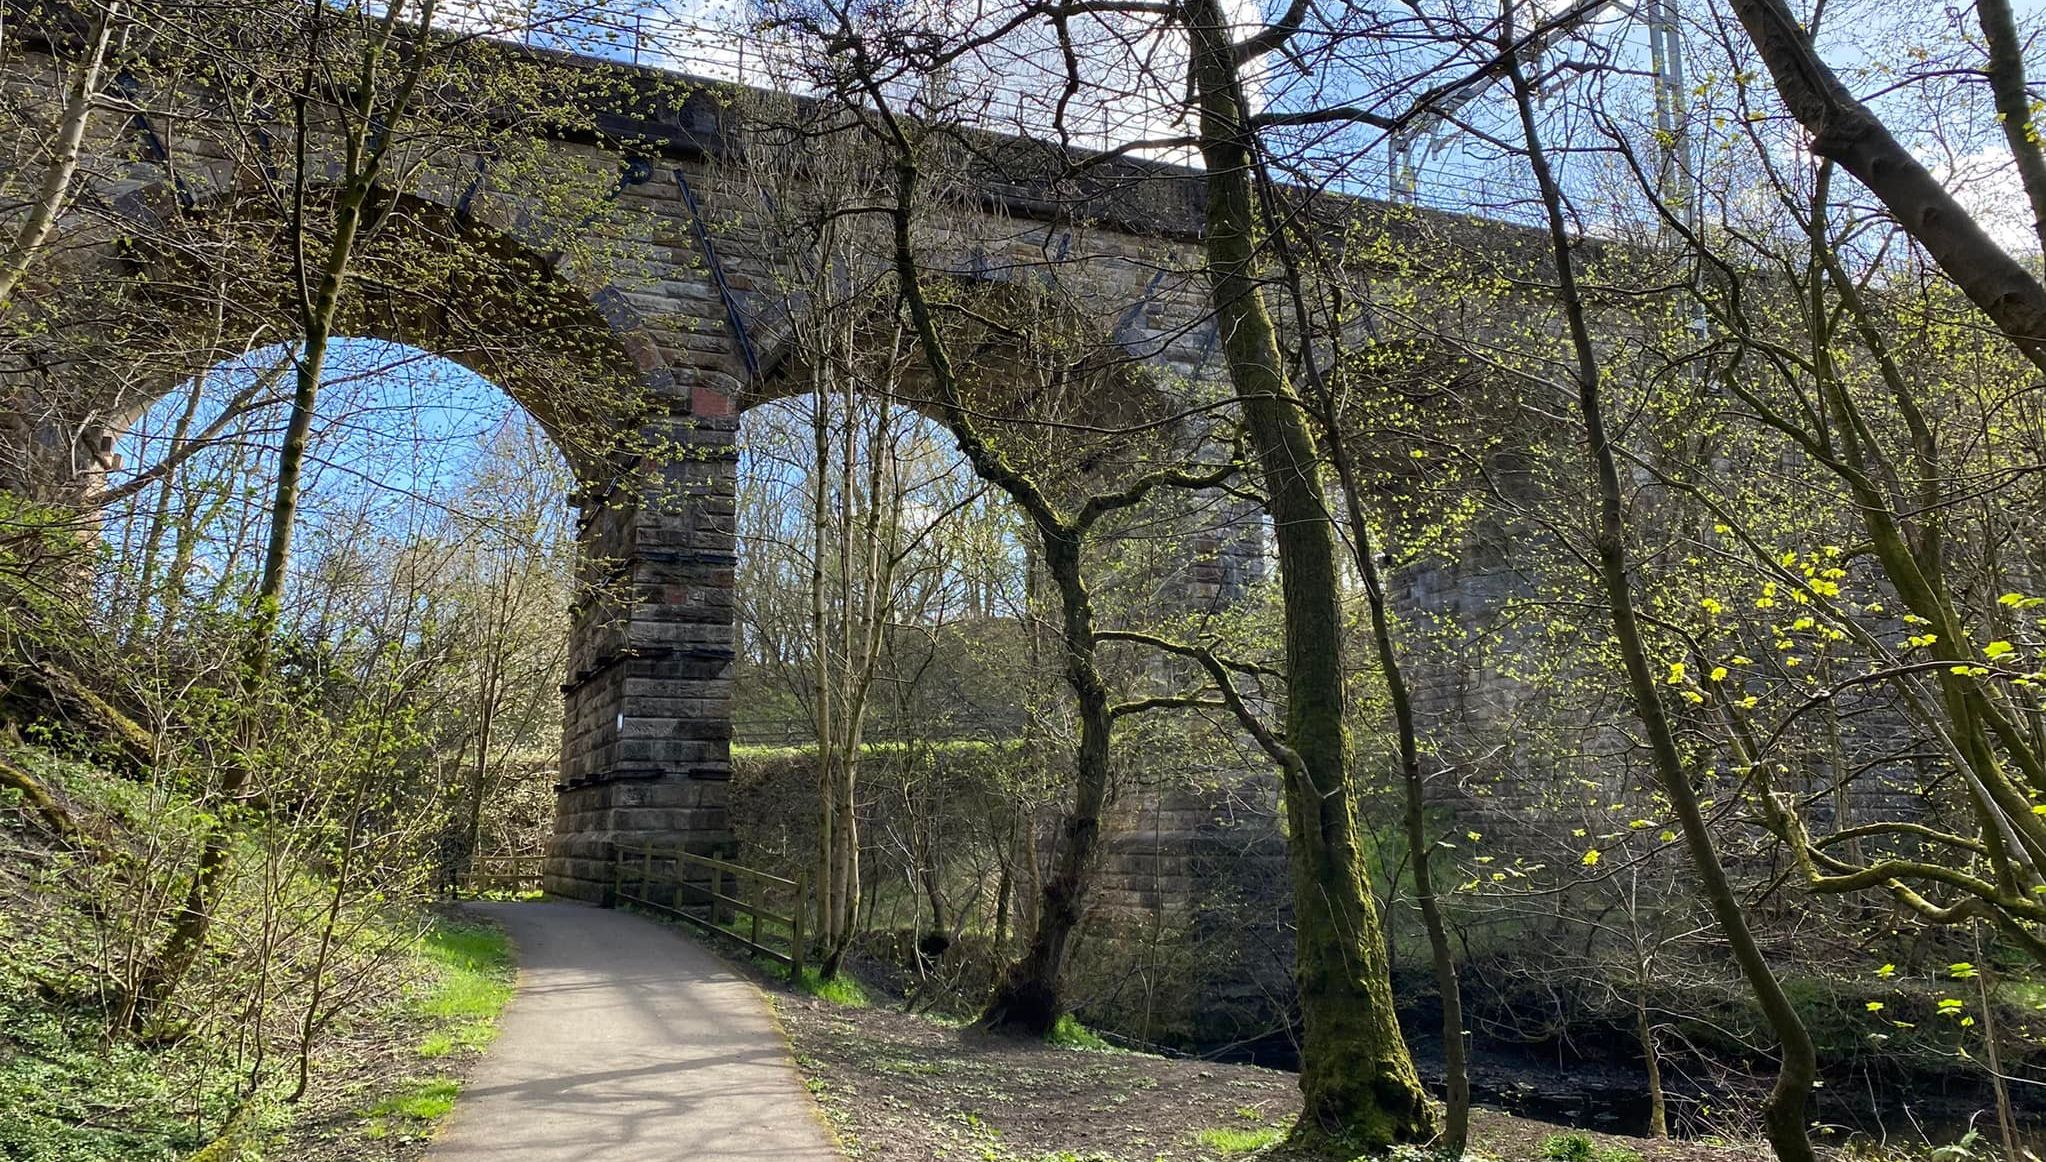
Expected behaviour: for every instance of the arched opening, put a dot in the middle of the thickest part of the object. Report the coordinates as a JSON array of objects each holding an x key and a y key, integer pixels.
[
  {"x": 866, "y": 504},
  {"x": 453, "y": 310},
  {"x": 958, "y": 765},
  {"x": 434, "y": 551},
  {"x": 882, "y": 601}
]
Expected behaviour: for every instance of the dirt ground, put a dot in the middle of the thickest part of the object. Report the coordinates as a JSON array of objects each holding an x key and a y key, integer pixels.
[
  {"x": 369, "y": 1065},
  {"x": 359, "y": 1067},
  {"x": 904, "y": 1089}
]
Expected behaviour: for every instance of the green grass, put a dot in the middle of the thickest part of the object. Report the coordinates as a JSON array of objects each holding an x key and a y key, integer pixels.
[
  {"x": 435, "y": 1045},
  {"x": 839, "y": 990},
  {"x": 1069, "y": 1033},
  {"x": 1232, "y": 1140},
  {"x": 473, "y": 979},
  {"x": 1577, "y": 1147},
  {"x": 411, "y": 1112},
  {"x": 425, "y": 1100}
]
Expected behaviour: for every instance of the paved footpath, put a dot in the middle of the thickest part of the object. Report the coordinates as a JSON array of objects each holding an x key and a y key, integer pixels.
[{"x": 629, "y": 1042}]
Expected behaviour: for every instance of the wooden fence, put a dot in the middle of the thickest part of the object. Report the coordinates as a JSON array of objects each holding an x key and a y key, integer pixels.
[
  {"x": 500, "y": 873},
  {"x": 714, "y": 895}
]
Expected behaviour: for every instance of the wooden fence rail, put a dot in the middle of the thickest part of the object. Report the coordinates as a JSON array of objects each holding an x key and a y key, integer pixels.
[
  {"x": 500, "y": 873},
  {"x": 713, "y": 894}
]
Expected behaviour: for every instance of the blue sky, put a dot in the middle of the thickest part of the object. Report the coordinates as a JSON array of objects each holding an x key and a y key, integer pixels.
[{"x": 399, "y": 434}]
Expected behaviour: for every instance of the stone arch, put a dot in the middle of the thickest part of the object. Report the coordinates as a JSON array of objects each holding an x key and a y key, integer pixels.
[
  {"x": 1067, "y": 393},
  {"x": 643, "y": 750},
  {"x": 501, "y": 283},
  {"x": 1026, "y": 353}
]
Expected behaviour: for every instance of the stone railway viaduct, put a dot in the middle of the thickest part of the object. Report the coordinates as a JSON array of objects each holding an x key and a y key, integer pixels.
[{"x": 682, "y": 302}]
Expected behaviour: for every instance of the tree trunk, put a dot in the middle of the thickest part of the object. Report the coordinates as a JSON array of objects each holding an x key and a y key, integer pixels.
[
  {"x": 1004, "y": 885},
  {"x": 479, "y": 776},
  {"x": 1783, "y": 1113},
  {"x": 1992, "y": 1047},
  {"x": 1844, "y": 130},
  {"x": 1029, "y": 999},
  {"x": 65, "y": 151},
  {"x": 1357, "y": 1077},
  {"x": 1456, "y": 1069},
  {"x": 820, "y": 658},
  {"x": 1658, "y": 1103},
  {"x": 2006, "y": 69},
  {"x": 1420, "y": 848}
]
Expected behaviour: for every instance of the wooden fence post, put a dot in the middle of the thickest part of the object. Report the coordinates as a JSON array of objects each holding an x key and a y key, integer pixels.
[
  {"x": 796, "y": 940},
  {"x": 753, "y": 910}
]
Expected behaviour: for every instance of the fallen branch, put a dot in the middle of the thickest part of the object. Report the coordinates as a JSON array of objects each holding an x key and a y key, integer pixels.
[{"x": 55, "y": 816}]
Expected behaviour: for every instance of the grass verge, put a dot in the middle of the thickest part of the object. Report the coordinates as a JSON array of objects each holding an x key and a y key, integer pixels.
[
  {"x": 1230, "y": 1141},
  {"x": 471, "y": 977},
  {"x": 839, "y": 990},
  {"x": 474, "y": 978}
]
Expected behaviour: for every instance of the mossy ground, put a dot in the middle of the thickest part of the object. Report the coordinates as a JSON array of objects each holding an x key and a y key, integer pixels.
[
  {"x": 73, "y": 1088},
  {"x": 841, "y": 990}
]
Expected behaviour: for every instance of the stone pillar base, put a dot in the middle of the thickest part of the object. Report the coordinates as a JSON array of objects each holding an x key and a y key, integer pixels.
[{"x": 592, "y": 821}]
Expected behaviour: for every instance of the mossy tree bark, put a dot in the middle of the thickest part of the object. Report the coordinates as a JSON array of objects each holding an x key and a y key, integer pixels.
[
  {"x": 1456, "y": 1082},
  {"x": 1357, "y": 1076},
  {"x": 1456, "y": 1127}
]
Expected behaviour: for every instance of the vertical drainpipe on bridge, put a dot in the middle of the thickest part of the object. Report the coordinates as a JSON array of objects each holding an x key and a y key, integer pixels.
[{"x": 735, "y": 320}]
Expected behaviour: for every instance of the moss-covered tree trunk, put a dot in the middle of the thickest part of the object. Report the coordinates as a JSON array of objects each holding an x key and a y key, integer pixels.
[
  {"x": 1357, "y": 1076},
  {"x": 1456, "y": 1073}
]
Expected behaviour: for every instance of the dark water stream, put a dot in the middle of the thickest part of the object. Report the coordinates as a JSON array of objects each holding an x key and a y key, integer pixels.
[{"x": 1611, "y": 1096}]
